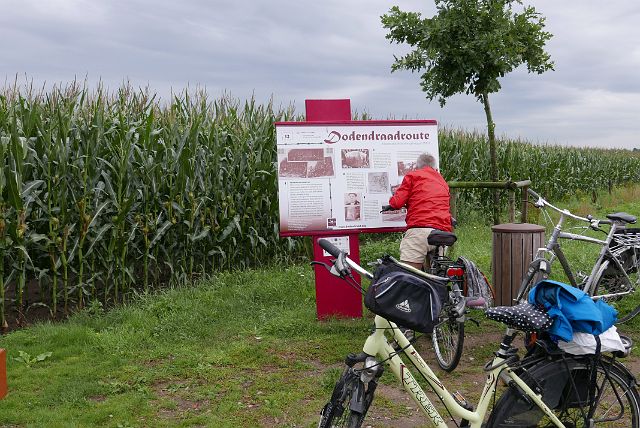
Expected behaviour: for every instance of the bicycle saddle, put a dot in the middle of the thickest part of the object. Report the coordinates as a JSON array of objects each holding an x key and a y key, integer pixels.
[
  {"x": 623, "y": 217},
  {"x": 525, "y": 317},
  {"x": 439, "y": 238}
]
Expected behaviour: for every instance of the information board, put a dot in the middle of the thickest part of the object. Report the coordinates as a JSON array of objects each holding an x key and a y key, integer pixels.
[{"x": 337, "y": 176}]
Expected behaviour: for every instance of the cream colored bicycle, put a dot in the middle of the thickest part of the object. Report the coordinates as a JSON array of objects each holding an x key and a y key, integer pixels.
[{"x": 546, "y": 388}]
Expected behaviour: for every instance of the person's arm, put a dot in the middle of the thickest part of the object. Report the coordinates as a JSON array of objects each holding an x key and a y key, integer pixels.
[{"x": 400, "y": 198}]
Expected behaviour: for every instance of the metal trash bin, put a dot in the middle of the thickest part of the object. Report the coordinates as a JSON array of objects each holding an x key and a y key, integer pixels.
[{"x": 514, "y": 246}]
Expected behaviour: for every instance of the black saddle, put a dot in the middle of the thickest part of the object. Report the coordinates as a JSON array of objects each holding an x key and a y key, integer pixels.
[
  {"x": 525, "y": 317},
  {"x": 440, "y": 238},
  {"x": 623, "y": 217}
]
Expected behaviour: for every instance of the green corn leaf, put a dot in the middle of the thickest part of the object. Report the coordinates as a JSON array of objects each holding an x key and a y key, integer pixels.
[
  {"x": 29, "y": 187},
  {"x": 227, "y": 230},
  {"x": 97, "y": 214},
  {"x": 37, "y": 237},
  {"x": 203, "y": 234},
  {"x": 161, "y": 231},
  {"x": 97, "y": 238},
  {"x": 132, "y": 234}
]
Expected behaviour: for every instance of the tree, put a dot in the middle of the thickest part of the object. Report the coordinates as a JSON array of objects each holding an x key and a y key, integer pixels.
[{"x": 466, "y": 47}]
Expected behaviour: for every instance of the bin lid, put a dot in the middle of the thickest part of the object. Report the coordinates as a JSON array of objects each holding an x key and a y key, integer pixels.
[{"x": 517, "y": 228}]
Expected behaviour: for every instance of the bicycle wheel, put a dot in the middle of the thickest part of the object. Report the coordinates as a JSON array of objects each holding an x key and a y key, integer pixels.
[
  {"x": 608, "y": 280},
  {"x": 611, "y": 401},
  {"x": 529, "y": 281},
  {"x": 448, "y": 339},
  {"x": 338, "y": 411}
]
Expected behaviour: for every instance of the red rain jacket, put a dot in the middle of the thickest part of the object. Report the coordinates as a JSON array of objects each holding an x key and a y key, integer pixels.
[{"x": 426, "y": 195}]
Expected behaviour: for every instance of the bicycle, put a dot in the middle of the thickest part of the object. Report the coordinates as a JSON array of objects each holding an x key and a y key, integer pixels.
[
  {"x": 524, "y": 404},
  {"x": 614, "y": 273},
  {"x": 448, "y": 334}
]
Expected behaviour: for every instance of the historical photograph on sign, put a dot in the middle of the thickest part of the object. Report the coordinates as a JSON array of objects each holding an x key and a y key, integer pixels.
[
  {"x": 297, "y": 155},
  {"x": 405, "y": 167},
  {"x": 305, "y": 163},
  {"x": 292, "y": 169},
  {"x": 378, "y": 182},
  {"x": 396, "y": 215},
  {"x": 355, "y": 158},
  {"x": 323, "y": 168},
  {"x": 352, "y": 206}
]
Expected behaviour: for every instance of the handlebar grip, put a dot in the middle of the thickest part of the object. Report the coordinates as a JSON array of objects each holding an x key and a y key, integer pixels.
[
  {"x": 533, "y": 193},
  {"x": 329, "y": 247},
  {"x": 605, "y": 222}
]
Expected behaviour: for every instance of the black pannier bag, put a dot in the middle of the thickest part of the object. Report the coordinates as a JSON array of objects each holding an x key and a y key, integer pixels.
[{"x": 404, "y": 297}]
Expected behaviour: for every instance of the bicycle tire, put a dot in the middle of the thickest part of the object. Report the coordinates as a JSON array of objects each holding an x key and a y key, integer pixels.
[
  {"x": 529, "y": 281},
  {"x": 609, "y": 279},
  {"x": 610, "y": 396},
  {"x": 448, "y": 340},
  {"x": 337, "y": 412},
  {"x": 629, "y": 316}
]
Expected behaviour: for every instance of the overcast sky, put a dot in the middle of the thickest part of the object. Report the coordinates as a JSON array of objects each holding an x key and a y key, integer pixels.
[{"x": 294, "y": 50}]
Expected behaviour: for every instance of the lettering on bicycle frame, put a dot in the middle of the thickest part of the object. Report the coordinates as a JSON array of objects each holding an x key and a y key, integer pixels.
[
  {"x": 420, "y": 360},
  {"x": 490, "y": 378},
  {"x": 421, "y": 397}
]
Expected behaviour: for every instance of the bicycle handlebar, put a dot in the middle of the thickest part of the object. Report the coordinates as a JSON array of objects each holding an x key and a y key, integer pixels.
[
  {"x": 534, "y": 194},
  {"x": 541, "y": 202},
  {"x": 342, "y": 258}
]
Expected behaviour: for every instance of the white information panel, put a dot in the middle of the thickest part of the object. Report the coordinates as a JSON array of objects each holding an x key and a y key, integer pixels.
[
  {"x": 342, "y": 242},
  {"x": 338, "y": 177}
]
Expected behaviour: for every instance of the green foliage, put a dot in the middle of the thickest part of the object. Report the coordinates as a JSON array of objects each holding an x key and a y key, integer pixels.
[
  {"x": 468, "y": 45},
  {"x": 101, "y": 192},
  {"x": 28, "y": 360}
]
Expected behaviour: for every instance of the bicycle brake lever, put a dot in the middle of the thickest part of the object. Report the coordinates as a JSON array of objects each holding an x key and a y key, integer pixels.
[
  {"x": 539, "y": 203},
  {"x": 323, "y": 264},
  {"x": 340, "y": 267}
]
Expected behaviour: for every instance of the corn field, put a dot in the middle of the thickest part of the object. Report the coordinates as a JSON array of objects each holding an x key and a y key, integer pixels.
[
  {"x": 555, "y": 171},
  {"x": 104, "y": 193},
  {"x": 101, "y": 194}
]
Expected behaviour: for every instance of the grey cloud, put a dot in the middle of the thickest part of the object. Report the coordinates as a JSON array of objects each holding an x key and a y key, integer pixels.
[{"x": 292, "y": 50}]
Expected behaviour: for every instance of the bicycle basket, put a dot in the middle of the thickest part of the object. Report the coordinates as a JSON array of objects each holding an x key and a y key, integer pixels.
[{"x": 404, "y": 298}]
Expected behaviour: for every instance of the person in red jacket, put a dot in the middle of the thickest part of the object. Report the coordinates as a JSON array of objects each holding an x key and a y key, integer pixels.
[{"x": 426, "y": 195}]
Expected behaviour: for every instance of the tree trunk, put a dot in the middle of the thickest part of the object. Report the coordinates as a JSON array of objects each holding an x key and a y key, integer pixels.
[{"x": 492, "y": 154}]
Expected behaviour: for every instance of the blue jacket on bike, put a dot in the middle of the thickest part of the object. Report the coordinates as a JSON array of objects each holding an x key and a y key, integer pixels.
[{"x": 572, "y": 310}]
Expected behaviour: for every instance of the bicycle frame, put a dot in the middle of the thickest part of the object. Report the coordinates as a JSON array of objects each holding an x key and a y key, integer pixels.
[
  {"x": 377, "y": 345},
  {"x": 553, "y": 250},
  {"x": 589, "y": 284}
]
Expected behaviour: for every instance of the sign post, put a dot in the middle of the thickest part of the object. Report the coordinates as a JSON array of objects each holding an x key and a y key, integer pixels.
[
  {"x": 334, "y": 176},
  {"x": 333, "y": 296}
]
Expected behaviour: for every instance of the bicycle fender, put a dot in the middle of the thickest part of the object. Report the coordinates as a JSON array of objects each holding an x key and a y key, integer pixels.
[
  {"x": 357, "y": 398},
  {"x": 623, "y": 369}
]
